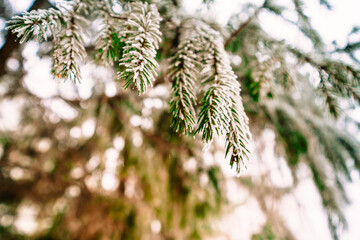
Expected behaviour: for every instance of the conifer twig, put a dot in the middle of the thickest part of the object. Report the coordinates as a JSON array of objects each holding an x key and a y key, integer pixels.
[{"x": 243, "y": 25}]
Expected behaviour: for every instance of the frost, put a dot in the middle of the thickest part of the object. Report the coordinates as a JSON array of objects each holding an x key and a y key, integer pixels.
[
  {"x": 133, "y": 38},
  {"x": 201, "y": 53},
  {"x": 142, "y": 41},
  {"x": 184, "y": 72}
]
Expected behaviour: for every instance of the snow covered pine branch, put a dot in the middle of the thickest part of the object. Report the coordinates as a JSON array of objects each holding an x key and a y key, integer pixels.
[
  {"x": 142, "y": 40},
  {"x": 201, "y": 49},
  {"x": 139, "y": 33},
  {"x": 222, "y": 111},
  {"x": 65, "y": 26},
  {"x": 184, "y": 72},
  {"x": 131, "y": 39}
]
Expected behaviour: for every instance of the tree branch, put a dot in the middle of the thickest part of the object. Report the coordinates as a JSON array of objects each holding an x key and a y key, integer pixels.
[
  {"x": 118, "y": 17},
  {"x": 243, "y": 26},
  {"x": 10, "y": 44}
]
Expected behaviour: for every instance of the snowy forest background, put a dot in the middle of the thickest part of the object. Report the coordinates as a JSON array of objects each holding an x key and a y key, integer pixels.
[{"x": 92, "y": 160}]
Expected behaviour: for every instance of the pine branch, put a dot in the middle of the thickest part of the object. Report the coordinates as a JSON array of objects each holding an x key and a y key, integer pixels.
[
  {"x": 326, "y": 4},
  {"x": 36, "y": 24},
  {"x": 304, "y": 25},
  {"x": 244, "y": 25},
  {"x": 69, "y": 47},
  {"x": 214, "y": 113},
  {"x": 141, "y": 42},
  {"x": 214, "y": 116},
  {"x": 183, "y": 72},
  {"x": 336, "y": 76},
  {"x": 10, "y": 42},
  {"x": 238, "y": 138},
  {"x": 222, "y": 111},
  {"x": 334, "y": 214},
  {"x": 108, "y": 45},
  {"x": 69, "y": 44},
  {"x": 330, "y": 100},
  {"x": 105, "y": 7},
  {"x": 118, "y": 17},
  {"x": 330, "y": 155}
]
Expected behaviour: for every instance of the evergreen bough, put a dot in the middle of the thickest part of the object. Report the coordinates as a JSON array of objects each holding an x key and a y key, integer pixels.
[{"x": 200, "y": 55}]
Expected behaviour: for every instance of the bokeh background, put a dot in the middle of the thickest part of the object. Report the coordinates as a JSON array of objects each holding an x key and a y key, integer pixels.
[{"x": 92, "y": 161}]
